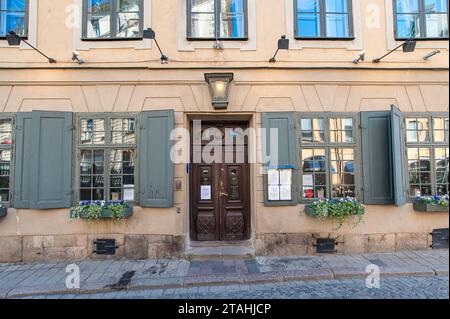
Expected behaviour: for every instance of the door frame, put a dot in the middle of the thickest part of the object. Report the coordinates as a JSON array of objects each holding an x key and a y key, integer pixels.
[{"x": 219, "y": 119}]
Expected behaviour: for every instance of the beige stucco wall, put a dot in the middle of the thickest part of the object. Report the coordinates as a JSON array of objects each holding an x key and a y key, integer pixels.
[{"x": 121, "y": 77}]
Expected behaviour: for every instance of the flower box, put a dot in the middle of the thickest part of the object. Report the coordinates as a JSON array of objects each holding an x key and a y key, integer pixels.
[
  {"x": 3, "y": 211},
  {"x": 310, "y": 211},
  {"x": 429, "y": 208},
  {"x": 106, "y": 213}
]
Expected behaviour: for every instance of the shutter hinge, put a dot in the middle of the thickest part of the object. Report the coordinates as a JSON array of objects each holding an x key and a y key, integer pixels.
[
  {"x": 71, "y": 128},
  {"x": 362, "y": 127}
]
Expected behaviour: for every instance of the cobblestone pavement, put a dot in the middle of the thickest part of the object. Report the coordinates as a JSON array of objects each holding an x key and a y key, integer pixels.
[
  {"x": 19, "y": 280},
  {"x": 390, "y": 288}
]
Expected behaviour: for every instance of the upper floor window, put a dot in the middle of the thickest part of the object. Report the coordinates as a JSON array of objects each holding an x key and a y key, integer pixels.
[
  {"x": 329, "y": 19},
  {"x": 421, "y": 19},
  {"x": 14, "y": 17},
  {"x": 112, "y": 19},
  {"x": 217, "y": 19}
]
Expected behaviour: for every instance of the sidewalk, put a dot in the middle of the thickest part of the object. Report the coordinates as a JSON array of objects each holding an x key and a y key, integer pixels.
[{"x": 20, "y": 280}]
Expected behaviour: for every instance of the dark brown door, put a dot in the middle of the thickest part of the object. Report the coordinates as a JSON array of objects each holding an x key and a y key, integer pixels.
[{"x": 220, "y": 194}]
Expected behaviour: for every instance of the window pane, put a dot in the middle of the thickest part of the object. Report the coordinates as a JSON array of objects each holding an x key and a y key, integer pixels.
[
  {"x": 5, "y": 174},
  {"x": 123, "y": 131},
  {"x": 408, "y": 25},
  {"x": 436, "y": 6},
  {"x": 341, "y": 130},
  {"x": 337, "y": 26},
  {"x": 417, "y": 130},
  {"x": 92, "y": 131},
  {"x": 129, "y": 5},
  {"x": 12, "y": 17},
  {"x": 314, "y": 173},
  {"x": 308, "y": 25},
  {"x": 202, "y": 25},
  {"x": 419, "y": 171},
  {"x": 122, "y": 169},
  {"x": 202, "y": 6},
  {"x": 232, "y": 24},
  {"x": 407, "y": 6},
  {"x": 92, "y": 180},
  {"x": 337, "y": 6},
  {"x": 311, "y": 6},
  {"x": 99, "y": 19},
  {"x": 441, "y": 129},
  {"x": 128, "y": 25},
  {"x": 442, "y": 170},
  {"x": 313, "y": 131},
  {"x": 5, "y": 132},
  {"x": 437, "y": 25}
]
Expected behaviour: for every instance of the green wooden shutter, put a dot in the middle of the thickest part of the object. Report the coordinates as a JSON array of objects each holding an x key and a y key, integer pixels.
[
  {"x": 156, "y": 167},
  {"x": 398, "y": 156},
  {"x": 285, "y": 122},
  {"x": 23, "y": 159},
  {"x": 44, "y": 160},
  {"x": 377, "y": 158}
]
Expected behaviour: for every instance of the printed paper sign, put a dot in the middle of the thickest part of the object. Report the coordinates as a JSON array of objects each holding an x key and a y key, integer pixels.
[
  {"x": 128, "y": 194},
  {"x": 285, "y": 192},
  {"x": 273, "y": 177},
  {"x": 205, "y": 192},
  {"x": 308, "y": 180},
  {"x": 286, "y": 177},
  {"x": 274, "y": 193}
]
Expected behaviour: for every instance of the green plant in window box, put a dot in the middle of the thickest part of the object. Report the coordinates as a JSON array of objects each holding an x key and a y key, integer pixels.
[
  {"x": 339, "y": 210},
  {"x": 96, "y": 210},
  {"x": 431, "y": 203}
]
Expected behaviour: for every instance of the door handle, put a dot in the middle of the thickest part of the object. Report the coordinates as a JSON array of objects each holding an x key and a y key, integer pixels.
[{"x": 223, "y": 194}]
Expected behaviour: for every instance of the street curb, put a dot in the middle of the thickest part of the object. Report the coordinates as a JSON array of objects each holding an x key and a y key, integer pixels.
[{"x": 215, "y": 280}]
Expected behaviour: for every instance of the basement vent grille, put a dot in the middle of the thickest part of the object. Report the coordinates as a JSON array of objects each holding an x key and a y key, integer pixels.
[
  {"x": 105, "y": 246},
  {"x": 325, "y": 245},
  {"x": 440, "y": 238}
]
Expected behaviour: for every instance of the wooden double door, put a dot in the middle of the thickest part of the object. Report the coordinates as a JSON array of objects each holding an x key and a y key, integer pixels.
[{"x": 220, "y": 184}]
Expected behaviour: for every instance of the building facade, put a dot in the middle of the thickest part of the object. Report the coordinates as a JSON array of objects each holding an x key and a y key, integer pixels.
[{"x": 98, "y": 124}]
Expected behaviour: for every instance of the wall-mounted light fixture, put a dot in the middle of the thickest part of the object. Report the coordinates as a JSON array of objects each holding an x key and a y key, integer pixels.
[
  {"x": 14, "y": 40},
  {"x": 150, "y": 34},
  {"x": 408, "y": 46},
  {"x": 361, "y": 57},
  {"x": 283, "y": 44},
  {"x": 431, "y": 54},
  {"x": 219, "y": 86}
]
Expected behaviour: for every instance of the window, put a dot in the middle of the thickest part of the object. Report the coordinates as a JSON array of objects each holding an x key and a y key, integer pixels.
[
  {"x": 112, "y": 19},
  {"x": 6, "y": 148},
  {"x": 217, "y": 19},
  {"x": 329, "y": 19},
  {"x": 427, "y": 154},
  {"x": 14, "y": 17},
  {"x": 328, "y": 154},
  {"x": 421, "y": 19},
  {"x": 107, "y": 158}
]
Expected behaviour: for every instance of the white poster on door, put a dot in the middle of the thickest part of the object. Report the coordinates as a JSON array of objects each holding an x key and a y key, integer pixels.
[{"x": 205, "y": 192}]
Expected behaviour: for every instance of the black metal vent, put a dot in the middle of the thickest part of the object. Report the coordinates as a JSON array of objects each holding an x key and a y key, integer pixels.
[
  {"x": 105, "y": 246},
  {"x": 440, "y": 238},
  {"x": 325, "y": 245}
]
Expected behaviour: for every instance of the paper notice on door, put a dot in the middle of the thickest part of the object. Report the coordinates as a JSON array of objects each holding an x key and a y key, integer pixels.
[
  {"x": 285, "y": 192},
  {"x": 274, "y": 193},
  {"x": 128, "y": 194},
  {"x": 205, "y": 192},
  {"x": 273, "y": 177},
  {"x": 286, "y": 177}
]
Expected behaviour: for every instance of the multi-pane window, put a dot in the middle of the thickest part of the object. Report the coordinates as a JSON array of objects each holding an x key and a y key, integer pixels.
[
  {"x": 323, "y": 19},
  {"x": 217, "y": 19},
  {"x": 428, "y": 155},
  {"x": 421, "y": 19},
  {"x": 13, "y": 17},
  {"x": 107, "y": 158},
  {"x": 6, "y": 148},
  {"x": 328, "y": 155},
  {"x": 112, "y": 19}
]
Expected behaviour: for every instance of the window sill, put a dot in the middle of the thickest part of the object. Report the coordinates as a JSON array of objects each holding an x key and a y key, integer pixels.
[
  {"x": 111, "y": 39},
  {"x": 324, "y": 39},
  {"x": 422, "y": 39},
  {"x": 214, "y": 40}
]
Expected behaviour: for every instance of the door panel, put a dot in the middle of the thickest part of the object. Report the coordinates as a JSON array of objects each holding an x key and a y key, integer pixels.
[{"x": 220, "y": 201}]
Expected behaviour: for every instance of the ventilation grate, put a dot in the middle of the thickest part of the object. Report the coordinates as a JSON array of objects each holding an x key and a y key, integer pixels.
[
  {"x": 325, "y": 245},
  {"x": 105, "y": 246},
  {"x": 440, "y": 238}
]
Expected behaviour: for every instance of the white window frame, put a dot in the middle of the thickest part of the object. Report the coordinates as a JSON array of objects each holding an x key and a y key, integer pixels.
[
  {"x": 392, "y": 43},
  {"x": 82, "y": 45},
  {"x": 297, "y": 44},
  {"x": 248, "y": 45},
  {"x": 32, "y": 28}
]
